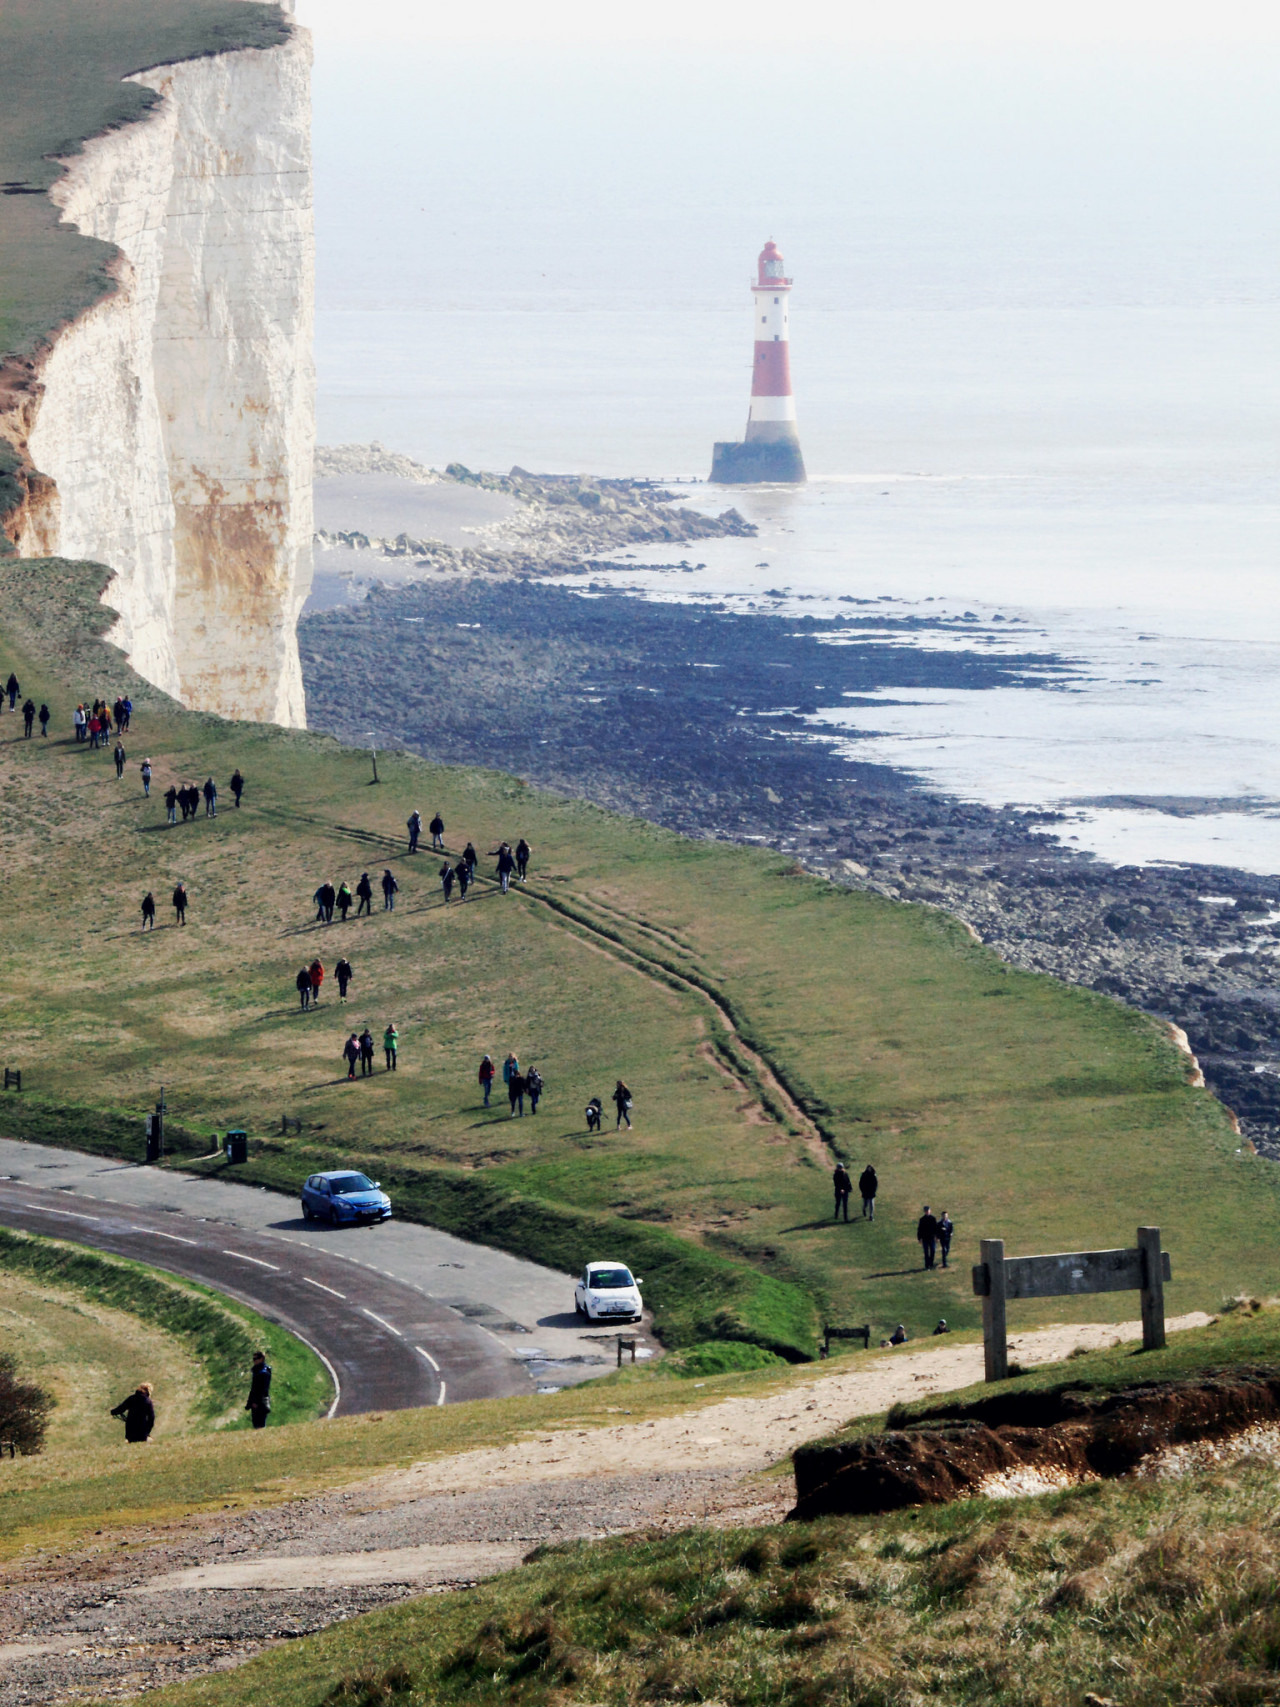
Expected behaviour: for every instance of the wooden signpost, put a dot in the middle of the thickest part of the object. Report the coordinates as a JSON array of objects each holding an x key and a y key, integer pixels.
[{"x": 1143, "y": 1268}]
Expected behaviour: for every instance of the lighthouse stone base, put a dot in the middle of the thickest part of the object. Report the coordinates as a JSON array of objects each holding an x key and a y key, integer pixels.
[{"x": 756, "y": 462}]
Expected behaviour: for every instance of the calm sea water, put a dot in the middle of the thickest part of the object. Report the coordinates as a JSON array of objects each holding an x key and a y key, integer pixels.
[{"x": 1035, "y": 341}]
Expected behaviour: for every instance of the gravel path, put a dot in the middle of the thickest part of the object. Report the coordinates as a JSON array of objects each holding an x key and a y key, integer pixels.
[{"x": 139, "y": 1609}]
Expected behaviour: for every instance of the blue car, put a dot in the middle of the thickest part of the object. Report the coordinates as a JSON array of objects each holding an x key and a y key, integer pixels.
[{"x": 341, "y": 1197}]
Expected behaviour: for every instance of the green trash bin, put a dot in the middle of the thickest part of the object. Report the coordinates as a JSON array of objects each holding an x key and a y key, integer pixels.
[{"x": 237, "y": 1146}]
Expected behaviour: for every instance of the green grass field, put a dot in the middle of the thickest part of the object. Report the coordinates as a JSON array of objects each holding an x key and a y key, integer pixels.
[
  {"x": 765, "y": 1021},
  {"x": 88, "y": 1326},
  {"x": 61, "y": 65},
  {"x": 1138, "y": 1592}
]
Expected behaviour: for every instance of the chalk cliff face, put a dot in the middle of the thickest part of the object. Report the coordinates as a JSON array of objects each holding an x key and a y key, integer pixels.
[{"x": 177, "y": 415}]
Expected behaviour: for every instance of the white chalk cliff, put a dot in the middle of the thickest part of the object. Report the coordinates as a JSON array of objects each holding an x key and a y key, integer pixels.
[{"x": 177, "y": 416}]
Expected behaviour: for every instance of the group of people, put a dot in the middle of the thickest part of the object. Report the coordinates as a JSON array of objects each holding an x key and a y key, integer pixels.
[
  {"x": 138, "y": 1410},
  {"x": 520, "y": 1083},
  {"x": 621, "y": 1100},
  {"x": 934, "y": 1234},
  {"x": 327, "y": 898},
  {"x": 29, "y": 713},
  {"x": 93, "y": 723},
  {"x": 179, "y": 901},
  {"x": 868, "y": 1186},
  {"x": 359, "y": 1049},
  {"x": 186, "y": 797}
]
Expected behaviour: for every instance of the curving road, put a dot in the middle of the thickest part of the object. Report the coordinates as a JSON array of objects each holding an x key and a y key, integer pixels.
[{"x": 403, "y": 1315}]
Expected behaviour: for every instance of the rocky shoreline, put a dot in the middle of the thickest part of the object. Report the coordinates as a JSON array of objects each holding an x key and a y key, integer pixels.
[{"x": 697, "y": 717}]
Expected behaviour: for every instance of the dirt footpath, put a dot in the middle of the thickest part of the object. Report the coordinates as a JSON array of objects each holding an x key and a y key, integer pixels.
[{"x": 153, "y": 1608}]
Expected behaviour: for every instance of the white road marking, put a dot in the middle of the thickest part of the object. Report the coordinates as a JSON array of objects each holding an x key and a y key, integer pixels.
[
  {"x": 333, "y": 1373},
  {"x": 383, "y": 1324},
  {"x": 46, "y": 1209},
  {"x": 324, "y": 1288},
  {"x": 241, "y": 1256},
  {"x": 157, "y": 1234},
  {"x": 440, "y": 1400},
  {"x": 431, "y": 1360}
]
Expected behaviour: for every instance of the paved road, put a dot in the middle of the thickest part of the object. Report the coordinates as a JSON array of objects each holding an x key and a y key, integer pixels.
[{"x": 405, "y": 1315}]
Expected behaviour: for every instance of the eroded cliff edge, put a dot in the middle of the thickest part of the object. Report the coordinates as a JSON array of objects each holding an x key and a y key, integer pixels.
[{"x": 173, "y": 421}]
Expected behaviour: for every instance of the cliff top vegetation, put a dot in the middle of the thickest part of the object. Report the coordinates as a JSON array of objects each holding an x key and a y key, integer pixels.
[{"x": 61, "y": 68}]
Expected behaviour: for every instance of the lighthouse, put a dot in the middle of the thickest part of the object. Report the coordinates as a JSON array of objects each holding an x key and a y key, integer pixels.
[{"x": 771, "y": 449}]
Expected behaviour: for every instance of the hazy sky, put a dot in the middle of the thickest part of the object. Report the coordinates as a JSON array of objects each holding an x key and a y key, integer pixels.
[{"x": 764, "y": 23}]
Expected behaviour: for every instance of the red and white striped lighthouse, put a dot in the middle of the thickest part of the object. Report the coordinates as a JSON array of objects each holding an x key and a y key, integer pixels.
[{"x": 771, "y": 450}]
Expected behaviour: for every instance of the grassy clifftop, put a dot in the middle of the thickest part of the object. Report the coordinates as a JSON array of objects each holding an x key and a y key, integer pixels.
[
  {"x": 765, "y": 1022},
  {"x": 61, "y": 65}
]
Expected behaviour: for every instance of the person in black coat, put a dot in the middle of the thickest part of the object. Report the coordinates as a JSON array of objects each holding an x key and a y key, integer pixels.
[
  {"x": 139, "y": 1414},
  {"x": 259, "y": 1401},
  {"x": 237, "y": 788},
  {"x": 842, "y": 1186},
  {"x": 303, "y": 982},
  {"x": 868, "y": 1185},
  {"x": 436, "y": 827},
  {"x": 927, "y": 1233},
  {"x": 364, "y": 894}
]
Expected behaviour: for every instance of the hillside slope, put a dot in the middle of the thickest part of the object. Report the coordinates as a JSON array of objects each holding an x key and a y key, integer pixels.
[{"x": 765, "y": 1022}]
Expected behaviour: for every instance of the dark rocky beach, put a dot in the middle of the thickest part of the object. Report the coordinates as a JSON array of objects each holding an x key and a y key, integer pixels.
[{"x": 694, "y": 716}]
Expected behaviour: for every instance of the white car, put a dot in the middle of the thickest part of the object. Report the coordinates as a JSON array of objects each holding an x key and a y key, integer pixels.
[{"x": 607, "y": 1293}]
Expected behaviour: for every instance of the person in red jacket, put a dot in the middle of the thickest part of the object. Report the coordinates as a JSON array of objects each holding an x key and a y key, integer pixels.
[{"x": 316, "y": 972}]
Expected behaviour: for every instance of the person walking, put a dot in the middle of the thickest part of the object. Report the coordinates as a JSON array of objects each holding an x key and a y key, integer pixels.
[
  {"x": 366, "y": 1053},
  {"x": 81, "y": 723},
  {"x": 523, "y": 850},
  {"x": 148, "y": 911},
  {"x": 437, "y": 834},
  {"x": 303, "y": 982},
  {"x": 390, "y": 889},
  {"x": 364, "y": 894},
  {"x": 171, "y": 804},
  {"x": 210, "y": 798},
  {"x": 316, "y": 974},
  {"x": 180, "y": 902},
  {"x": 622, "y": 1102},
  {"x": 329, "y": 895},
  {"x": 43, "y": 719},
  {"x": 138, "y": 1414},
  {"x": 95, "y": 730},
  {"x": 946, "y": 1227},
  {"x": 351, "y": 1054},
  {"x": 506, "y": 865},
  {"x": 533, "y": 1084},
  {"x": 28, "y": 717},
  {"x": 119, "y": 756},
  {"x": 843, "y": 1186},
  {"x": 117, "y": 711},
  {"x": 486, "y": 1076},
  {"x": 868, "y": 1185},
  {"x": 391, "y": 1045},
  {"x": 414, "y": 827},
  {"x": 927, "y": 1234},
  {"x": 126, "y": 706},
  {"x": 12, "y": 689},
  {"x": 462, "y": 872},
  {"x": 237, "y": 786},
  {"x": 471, "y": 856},
  {"x": 344, "y": 899},
  {"x": 446, "y": 881},
  {"x": 258, "y": 1404},
  {"x": 145, "y": 774},
  {"x": 343, "y": 973},
  {"x": 509, "y": 1066},
  {"x": 318, "y": 899},
  {"x": 515, "y": 1093}
]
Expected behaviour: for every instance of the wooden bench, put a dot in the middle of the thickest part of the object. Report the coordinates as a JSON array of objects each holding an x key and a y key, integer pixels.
[{"x": 829, "y": 1334}]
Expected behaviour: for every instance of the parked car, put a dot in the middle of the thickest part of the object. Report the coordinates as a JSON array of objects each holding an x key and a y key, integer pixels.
[
  {"x": 607, "y": 1292},
  {"x": 341, "y": 1197}
]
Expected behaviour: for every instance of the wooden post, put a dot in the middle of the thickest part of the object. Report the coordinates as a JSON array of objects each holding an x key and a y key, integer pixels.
[
  {"x": 995, "y": 1345},
  {"x": 1152, "y": 1289}
]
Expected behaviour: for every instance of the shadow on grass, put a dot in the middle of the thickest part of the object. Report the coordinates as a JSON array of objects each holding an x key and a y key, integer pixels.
[{"x": 896, "y": 1273}]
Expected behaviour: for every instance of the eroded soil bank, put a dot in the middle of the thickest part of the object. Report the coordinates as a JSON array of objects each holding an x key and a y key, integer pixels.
[
  {"x": 696, "y": 717},
  {"x": 1068, "y": 1434}
]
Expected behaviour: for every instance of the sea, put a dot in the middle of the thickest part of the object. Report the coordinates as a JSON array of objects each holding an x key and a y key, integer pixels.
[{"x": 1035, "y": 343}]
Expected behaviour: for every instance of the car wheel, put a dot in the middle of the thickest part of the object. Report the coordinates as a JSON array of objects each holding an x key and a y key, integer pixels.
[
  {"x": 333, "y": 1217},
  {"x": 306, "y": 1213}
]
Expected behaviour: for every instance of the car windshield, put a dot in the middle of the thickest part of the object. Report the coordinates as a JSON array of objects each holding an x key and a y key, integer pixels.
[
  {"x": 609, "y": 1279},
  {"x": 346, "y": 1183}
]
